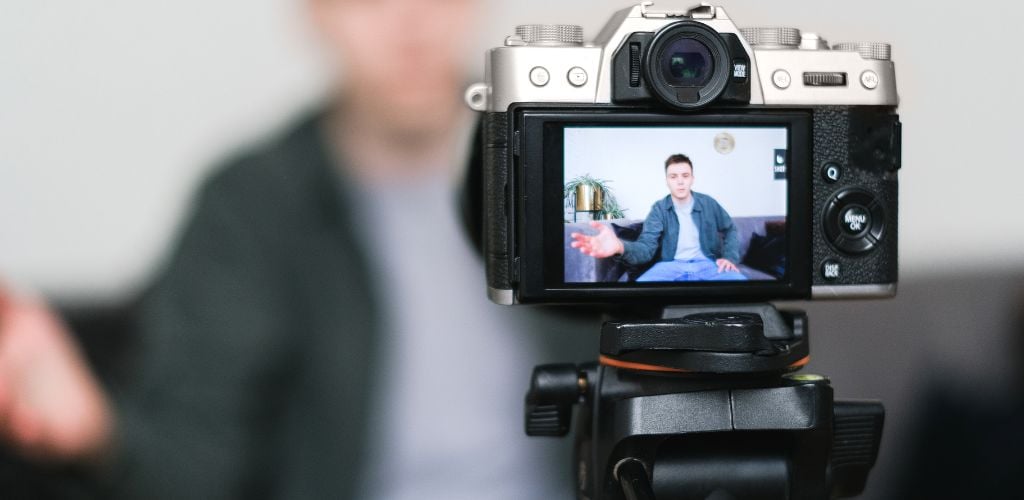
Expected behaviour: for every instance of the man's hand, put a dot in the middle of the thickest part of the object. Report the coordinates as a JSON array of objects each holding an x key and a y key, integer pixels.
[
  {"x": 51, "y": 405},
  {"x": 726, "y": 265},
  {"x": 603, "y": 244}
]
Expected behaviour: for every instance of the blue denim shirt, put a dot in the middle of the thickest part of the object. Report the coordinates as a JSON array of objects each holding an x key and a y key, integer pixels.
[{"x": 718, "y": 238}]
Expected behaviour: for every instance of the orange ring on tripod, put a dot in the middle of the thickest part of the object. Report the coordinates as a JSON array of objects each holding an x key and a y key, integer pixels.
[{"x": 629, "y": 365}]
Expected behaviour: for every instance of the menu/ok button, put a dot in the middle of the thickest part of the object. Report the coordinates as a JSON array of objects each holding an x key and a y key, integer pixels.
[{"x": 855, "y": 220}]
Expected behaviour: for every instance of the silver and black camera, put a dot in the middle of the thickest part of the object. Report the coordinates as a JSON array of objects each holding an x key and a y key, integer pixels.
[{"x": 678, "y": 158}]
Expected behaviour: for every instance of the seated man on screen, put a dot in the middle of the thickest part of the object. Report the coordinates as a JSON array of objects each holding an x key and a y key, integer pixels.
[{"x": 697, "y": 237}]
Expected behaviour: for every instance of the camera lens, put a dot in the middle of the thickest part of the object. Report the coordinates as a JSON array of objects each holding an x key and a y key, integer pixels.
[
  {"x": 686, "y": 62},
  {"x": 687, "y": 65}
]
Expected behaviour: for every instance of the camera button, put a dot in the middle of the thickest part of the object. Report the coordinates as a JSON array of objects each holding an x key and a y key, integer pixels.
[
  {"x": 539, "y": 76},
  {"x": 878, "y": 221},
  {"x": 740, "y": 70},
  {"x": 830, "y": 270},
  {"x": 854, "y": 220},
  {"x": 831, "y": 172},
  {"x": 577, "y": 76},
  {"x": 869, "y": 79},
  {"x": 781, "y": 79}
]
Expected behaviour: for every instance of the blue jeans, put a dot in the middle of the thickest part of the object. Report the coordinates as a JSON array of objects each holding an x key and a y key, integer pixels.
[{"x": 689, "y": 270}]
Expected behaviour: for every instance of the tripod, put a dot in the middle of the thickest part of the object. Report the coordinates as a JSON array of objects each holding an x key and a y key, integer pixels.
[{"x": 704, "y": 403}]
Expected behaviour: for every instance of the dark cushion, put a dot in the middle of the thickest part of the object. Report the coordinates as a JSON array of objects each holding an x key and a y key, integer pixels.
[
  {"x": 631, "y": 232},
  {"x": 775, "y": 227},
  {"x": 767, "y": 253},
  {"x": 628, "y": 232}
]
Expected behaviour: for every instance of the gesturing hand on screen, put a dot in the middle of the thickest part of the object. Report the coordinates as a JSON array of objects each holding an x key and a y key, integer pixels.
[{"x": 603, "y": 244}]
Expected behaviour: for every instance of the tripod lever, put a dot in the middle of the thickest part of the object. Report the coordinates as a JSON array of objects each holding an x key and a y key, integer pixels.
[
  {"x": 554, "y": 389},
  {"x": 632, "y": 476}
]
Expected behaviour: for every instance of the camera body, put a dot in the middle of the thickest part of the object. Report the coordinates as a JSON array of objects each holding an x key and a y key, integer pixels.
[{"x": 792, "y": 148}]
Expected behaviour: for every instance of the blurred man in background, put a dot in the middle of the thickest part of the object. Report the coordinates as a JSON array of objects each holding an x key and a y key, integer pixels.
[{"x": 321, "y": 329}]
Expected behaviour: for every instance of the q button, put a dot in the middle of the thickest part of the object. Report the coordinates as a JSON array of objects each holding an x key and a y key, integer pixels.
[{"x": 831, "y": 172}]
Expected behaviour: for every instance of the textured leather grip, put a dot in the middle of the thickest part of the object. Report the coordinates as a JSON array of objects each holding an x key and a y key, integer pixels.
[
  {"x": 864, "y": 142},
  {"x": 497, "y": 205}
]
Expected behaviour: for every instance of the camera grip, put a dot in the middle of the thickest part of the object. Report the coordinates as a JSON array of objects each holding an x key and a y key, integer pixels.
[
  {"x": 864, "y": 141},
  {"x": 497, "y": 221}
]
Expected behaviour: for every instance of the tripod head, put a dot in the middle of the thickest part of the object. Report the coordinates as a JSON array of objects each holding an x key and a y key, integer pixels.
[{"x": 704, "y": 403}]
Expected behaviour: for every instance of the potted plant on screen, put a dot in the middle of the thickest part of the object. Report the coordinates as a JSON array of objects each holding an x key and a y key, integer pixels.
[{"x": 590, "y": 198}]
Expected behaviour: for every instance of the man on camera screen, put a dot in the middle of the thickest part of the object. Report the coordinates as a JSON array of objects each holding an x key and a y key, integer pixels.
[{"x": 697, "y": 237}]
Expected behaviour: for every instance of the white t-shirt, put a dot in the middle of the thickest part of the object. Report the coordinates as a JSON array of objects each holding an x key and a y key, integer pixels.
[
  {"x": 688, "y": 247},
  {"x": 449, "y": 410}
]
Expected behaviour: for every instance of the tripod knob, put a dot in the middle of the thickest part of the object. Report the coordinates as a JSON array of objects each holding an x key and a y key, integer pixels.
[{"x": 554, "y": 389}]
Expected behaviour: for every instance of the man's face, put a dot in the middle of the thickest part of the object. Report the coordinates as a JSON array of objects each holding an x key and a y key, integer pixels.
[
  {"x": 679, "y": 177},
  {"x": 402, "y": 56}
]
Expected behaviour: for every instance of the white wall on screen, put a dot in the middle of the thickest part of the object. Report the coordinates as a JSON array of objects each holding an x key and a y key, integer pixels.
[{"x": 633, "y": 159}]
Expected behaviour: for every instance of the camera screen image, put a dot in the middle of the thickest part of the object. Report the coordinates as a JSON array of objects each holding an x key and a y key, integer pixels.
[{"x": 675, "y": 204}]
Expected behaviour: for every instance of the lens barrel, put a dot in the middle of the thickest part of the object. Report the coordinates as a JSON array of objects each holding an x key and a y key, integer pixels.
[{"x": 687, "y": 65}]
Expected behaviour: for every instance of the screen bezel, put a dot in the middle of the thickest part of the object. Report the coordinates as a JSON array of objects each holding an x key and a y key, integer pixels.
[{"x": 539, "y": 171}]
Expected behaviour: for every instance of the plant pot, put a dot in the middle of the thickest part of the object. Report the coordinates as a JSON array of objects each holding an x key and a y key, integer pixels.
[{"x": 589, "y": 198}]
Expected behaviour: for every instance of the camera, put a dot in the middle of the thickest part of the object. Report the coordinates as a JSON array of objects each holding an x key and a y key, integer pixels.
[
  {"x": 687, "y": 171},
  {"x": 679, "y": 159}
]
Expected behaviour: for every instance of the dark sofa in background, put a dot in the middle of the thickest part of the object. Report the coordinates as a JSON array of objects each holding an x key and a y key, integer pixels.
[{"x": 946, "y": 357}]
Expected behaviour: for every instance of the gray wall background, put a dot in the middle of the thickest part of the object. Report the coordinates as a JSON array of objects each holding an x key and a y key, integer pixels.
[{"x": 111, "y": 111}]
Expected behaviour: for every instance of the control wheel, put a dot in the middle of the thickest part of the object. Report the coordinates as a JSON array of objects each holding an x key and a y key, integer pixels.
[{"x": 854, "y": 221}]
